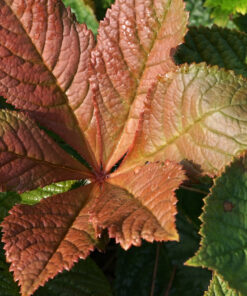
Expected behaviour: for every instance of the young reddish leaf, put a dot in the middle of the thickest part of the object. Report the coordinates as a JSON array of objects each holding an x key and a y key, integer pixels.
[
  {"x": 29, "y": 158},
  {"x": 197, "y": 113},
  {"x": 136, "y": 41},
  {"x": 44, "y": 239},
  {"x": 44, "y": 68},
  {"x": 140, "y": 204}
]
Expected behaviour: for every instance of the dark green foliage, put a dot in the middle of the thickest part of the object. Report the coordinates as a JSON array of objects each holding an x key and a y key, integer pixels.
[
  {"x": 135, "y": 268},
  {"x": 215, "y": 46},
  {"x": 84, "y": 279},
  {"x": 224, "y": 230}
]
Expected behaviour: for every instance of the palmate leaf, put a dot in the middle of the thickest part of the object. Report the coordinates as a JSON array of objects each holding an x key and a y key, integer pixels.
[
  {"x": 223, "y": 245},
  {"x": 93, "y": 98},
  {"x": 197, "y": 113},
  {"x": 135, "y": 44},
  {"x": 43, "y": 239}
]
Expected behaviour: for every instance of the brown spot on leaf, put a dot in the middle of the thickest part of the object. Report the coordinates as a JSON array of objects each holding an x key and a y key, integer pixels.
[{"x": 228, "y": 206}]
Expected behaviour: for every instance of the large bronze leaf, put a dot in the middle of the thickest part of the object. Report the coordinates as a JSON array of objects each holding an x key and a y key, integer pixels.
[
  {"x": 140, "y": 204},
  {"x": 136, "y": 42},
  {"x": 44, "y": 69},
  {"x": 44, "y": 239},
  {"x": 197, "y": 113},
  {"x": 29, "y": 158}
]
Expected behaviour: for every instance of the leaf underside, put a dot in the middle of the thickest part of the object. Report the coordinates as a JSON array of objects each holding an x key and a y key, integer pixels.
[
  {"x": 196, "y": 114},
  {"x": 224, "y": 232},
  {"x": 36, "y": 253}
]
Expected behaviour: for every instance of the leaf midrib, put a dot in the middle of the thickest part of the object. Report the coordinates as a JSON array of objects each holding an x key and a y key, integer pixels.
[
  {"x": 196, "y": 121},
  {"x": 137, "y": 93}
]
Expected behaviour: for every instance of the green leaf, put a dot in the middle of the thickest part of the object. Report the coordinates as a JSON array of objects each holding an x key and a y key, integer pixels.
[
  {"x": 218, "y": 287},
  {"x": 35, "y": 196},
  {"x": 188, "y": 280},
  {"x": 241, "y": 22},
  {"x": 216, "y": 46},
  {"x": 224, "y": 230},
  {"x": 84, "y": 13},
  {"x": 84, "y": 279},
  {"x": 222, "y": 9},
  {"x": 199, "y": 15}
]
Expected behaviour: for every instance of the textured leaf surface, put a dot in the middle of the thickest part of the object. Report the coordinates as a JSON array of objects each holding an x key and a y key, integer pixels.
[
  {"x": 44, "y": 239},
  {"x": 140, "y": 204},
  {"x": 135, "y": 44},
  {"x": 197, "y": 113},
  {"x": 29, "y": 158},
  {"x": 224, "y": 233},
  {"x": 35, "y": 196},
  {"x": 84, "y": 13},
  {"x": 44, "y": 68},
  {"x": 84, "y": 279},
  {"x": 215, "y": 46},
  {"x": 218, "y": 287}
]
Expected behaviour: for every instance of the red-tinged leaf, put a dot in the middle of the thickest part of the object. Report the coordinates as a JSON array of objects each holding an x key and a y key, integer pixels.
[
  {"x": 135, "y": 44},
  {"x": 44, "y": 60},
  {"x": 140, "y": 204},
  {"x": 29, "y": 158},
  {"x": 198, "y": 114},
  {"x": 44, "y": 239}
]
